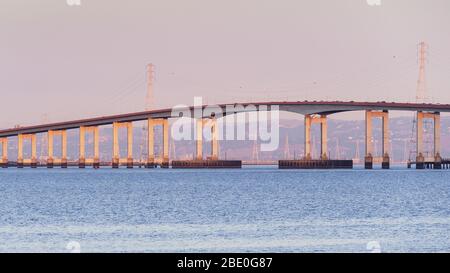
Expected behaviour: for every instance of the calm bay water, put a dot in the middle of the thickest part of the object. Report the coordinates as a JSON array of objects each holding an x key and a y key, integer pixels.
[{"x": 255, "y": 209}]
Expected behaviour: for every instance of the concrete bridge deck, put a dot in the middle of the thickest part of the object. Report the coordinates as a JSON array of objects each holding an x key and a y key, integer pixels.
[
  {"x": 314, "y": 112},
  {"x": 300, "y": 107}
]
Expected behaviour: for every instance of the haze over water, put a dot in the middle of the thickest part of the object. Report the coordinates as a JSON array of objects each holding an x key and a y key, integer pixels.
[{"x": 253, "y": 209}]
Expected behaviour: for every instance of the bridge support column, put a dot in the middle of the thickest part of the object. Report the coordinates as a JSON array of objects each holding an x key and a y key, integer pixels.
[
  {"x": 64, "y": 149},
  {"x": 437, "y": 141},
  {"x": 129, "y": 145},
  {"x": 20, "y": 159},
  {"x": 214, "y": 140},
  {"x": 82, "y": 152},
  {"x": 151, "y": 142},
  {"x": 96, "y": 163},
  {"x": 324, "y": 138},
  {"x": 386, "y": 159},
  {"x": 20, "y": 151},
  {"x": 212, "y": 123},
  {"x": 420, "y": 159},
  {"x": 4, "y": 154},
  {"x": 50, "y": 149},
  {"x": 368, "y": 159},
  {"x": 322, "y": 120},
  {"x": 308, "y": 137},
  {"x": 50, "y": 137},
  {"x": 116, "y": 157},
  {"x": 116, "y": 152},
  {"x": 165, "y": 162},
  {"x": 33, "y": 151},
  {"x": 82, "y": 156},
  {"x": 199, "y": 139}
]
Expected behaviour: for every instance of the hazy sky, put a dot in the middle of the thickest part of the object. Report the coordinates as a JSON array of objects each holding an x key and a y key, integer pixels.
[{"x": 69, "y": 62}]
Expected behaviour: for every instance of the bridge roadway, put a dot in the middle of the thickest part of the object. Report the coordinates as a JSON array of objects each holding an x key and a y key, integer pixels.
[
  {"x": 300, "y": 107},
  {"x": 314, "y": 112}
]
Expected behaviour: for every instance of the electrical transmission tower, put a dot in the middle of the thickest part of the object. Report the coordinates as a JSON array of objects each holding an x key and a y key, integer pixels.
[
  {"x": 338, "y": 149},
  {"x": 149, "y": 99},
  {"x": 255, "y": 153},
  {"x": 421, "y": 93},
  {"x": 357, "y": 157},
  {"x": 287, "y": 154},
  {"x": 149, "y": 104},
  {"x": 421, "y": 97}
]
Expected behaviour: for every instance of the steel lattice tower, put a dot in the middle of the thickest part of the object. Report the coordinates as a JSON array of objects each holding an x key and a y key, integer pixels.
[
  {"x": 421, "y": 93},
  {"x": 149, "y": 104},
  {"x": 421, "y": 97},
  {"x": 287, "y": 154}
]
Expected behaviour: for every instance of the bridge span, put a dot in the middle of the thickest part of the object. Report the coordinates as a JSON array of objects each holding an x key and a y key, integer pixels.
[{"x": 313, "y": 111}]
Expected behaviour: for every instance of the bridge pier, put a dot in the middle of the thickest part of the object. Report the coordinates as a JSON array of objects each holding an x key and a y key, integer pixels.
[
  {"x": 368, "y": 159},
  {"x": 116, "y": 160},
  {"x": 212, "y": 122},
  {"x": 82, "y": 153},
  {"x": 21, "y": 162},
  {"x": 324, "y": 108},
  {"x": 166, "y": 136},
  {"x": 308, "y": 162},
  {"x": 4, "y": 154},
  {"x": 368, "y": 162},
  {"x": 214, "y": 140},
  {"x": 151, "y": 142},
  {"x": 420, "y": 159},
  {"x": 199, "y": 140},
  {"x": 322, "y": 120},
  {"x": 385, "y": 164},
  {"x": 315, "y": 164},
  {"x": 50, "y": 149},
  {"x": 51, "y": 160},
  {"x": 437, "y": 163},
  {"x": 420, "y": 162},
  {"x": 211, "y": 161}
]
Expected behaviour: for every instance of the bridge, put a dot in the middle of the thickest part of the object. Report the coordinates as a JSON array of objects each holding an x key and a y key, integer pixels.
[{"x": 313, "y": 112}]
